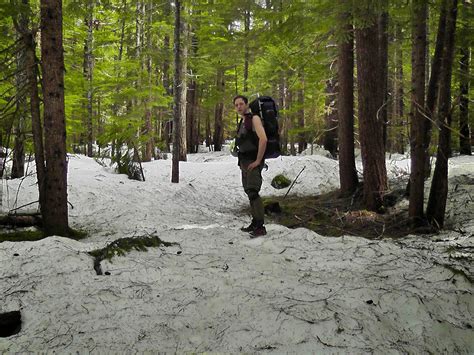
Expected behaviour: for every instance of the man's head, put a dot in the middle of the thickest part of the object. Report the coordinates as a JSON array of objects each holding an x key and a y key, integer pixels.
[{"x": 241, "y": 104}]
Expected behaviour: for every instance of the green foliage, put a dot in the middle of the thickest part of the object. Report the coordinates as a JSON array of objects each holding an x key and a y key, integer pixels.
[
  {"x": 21, "y": 236},
  {"x": 28, "y": 235},
  {"x": 122, "y": 246},
  {"x": 280, "y": 182},
  {"x": 290, "y": 43}
]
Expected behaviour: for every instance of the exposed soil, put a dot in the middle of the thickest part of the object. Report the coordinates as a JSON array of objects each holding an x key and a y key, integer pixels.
[{"x": 333, "y": 215}]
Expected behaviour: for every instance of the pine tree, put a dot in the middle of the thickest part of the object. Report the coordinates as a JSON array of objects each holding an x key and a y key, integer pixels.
[
  {"x": 417, "y": 111},
  {"x": 55, "y": 211}
]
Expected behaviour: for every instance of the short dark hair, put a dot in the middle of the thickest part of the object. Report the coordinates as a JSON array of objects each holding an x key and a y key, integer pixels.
[{"x": 244, "y": 98}]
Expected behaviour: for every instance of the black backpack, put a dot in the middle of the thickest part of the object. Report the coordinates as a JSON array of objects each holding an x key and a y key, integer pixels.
[{"x": 266, "y": 108}]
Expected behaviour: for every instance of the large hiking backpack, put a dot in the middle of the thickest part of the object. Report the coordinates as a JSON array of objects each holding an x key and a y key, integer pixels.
[{"x": 266, "y": 108}]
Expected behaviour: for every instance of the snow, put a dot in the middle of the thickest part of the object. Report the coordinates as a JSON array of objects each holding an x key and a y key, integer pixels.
[{"x": 216, "y": 290}]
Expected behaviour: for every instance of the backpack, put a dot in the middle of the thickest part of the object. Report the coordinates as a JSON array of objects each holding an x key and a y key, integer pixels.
[{"x": 266, "y": 108}]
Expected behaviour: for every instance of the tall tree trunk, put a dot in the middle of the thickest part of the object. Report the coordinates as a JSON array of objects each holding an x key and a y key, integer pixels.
[
  {"x": 191, "y": 117},
  {"x": 290, "y": 120},
  {"x": 166, "y": 61},
  {"x": 464, "y": 129},
  {"x": 345, "y": 107},
  {"x": 192, "y": 103},
  {"x": 432, "y": 92},
  {"x": 32, "y": 82},
  {"x": 208, "y": 131},
  {"x": 178, "y": 70},
  {"x": 301, "y": 119},
  {"x": 219, "y": 111},
  {"x": 148, "y": 129},
  {"x": 330, "y": 131},
  {"x": 282, "y": 105},
  {"x": 370, "y": 127},
  {"x": 246, "y": 49},
  {"x": 183, "y": 91},
  {"x": 439, "y": 186},
  {"x": 417, "y": 181},
  {"x": 18, "y": 167},
  {"x": 55, "y": 211},
  {"x": 88, "y": 72},
  {"x": 383, "y": 57},
  {"x": 398, "y": 107}
]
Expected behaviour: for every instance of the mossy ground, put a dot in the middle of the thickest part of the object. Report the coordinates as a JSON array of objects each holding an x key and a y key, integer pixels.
[
  {"x": 333, "y": 215},
  {"x": 125, "y": 245},
  {"x": 22, "y": 235}
]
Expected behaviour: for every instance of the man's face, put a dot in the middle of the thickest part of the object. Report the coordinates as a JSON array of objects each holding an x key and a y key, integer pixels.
[{"x": 241, "y": 106}]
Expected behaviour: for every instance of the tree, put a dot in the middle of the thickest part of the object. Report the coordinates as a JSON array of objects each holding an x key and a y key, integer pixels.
[
  {"x": 464, "y": 130},
  {"x": 383, "y": 20},
  {"x": 345, "y": 105},
  {"x": 417, "y": 111},
  {"x": 55, "y": 211},
  {"x": 370, "y": 101},
  {"x": 219, "y": 110},
  {"x": 330, "y": 132},
  {"x": 88, "y": 72},
  {"x": 177, "y": 87},
  {"x": 18, "y": 166},
  {"x": 439, "y": 186},
  {"x": 433, "y": 85}
]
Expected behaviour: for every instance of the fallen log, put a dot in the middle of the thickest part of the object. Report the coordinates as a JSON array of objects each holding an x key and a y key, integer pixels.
[{"x": 21, "y": 220}]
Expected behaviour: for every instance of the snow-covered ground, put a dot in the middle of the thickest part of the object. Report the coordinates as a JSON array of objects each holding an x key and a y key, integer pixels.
[{"x": 292, "y": 291}]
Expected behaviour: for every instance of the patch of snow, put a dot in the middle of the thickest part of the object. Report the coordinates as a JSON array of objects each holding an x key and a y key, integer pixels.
[{"x": 216, "y": 290}]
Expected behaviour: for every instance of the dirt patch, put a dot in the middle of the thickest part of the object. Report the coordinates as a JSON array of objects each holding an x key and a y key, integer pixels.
[{"x": 333, "y": 215}]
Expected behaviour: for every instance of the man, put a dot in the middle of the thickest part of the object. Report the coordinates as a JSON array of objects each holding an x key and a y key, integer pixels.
[{"x": 251, "y": 142}]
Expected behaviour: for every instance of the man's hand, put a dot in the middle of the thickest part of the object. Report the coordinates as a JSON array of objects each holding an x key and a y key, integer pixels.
[{"x": 253, "y": 165}]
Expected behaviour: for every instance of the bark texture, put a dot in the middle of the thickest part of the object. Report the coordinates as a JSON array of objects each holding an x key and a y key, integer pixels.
[
  {"x": 345, "y": 109},
  {"x": 419, "y": 12},
  {"x": 370, "y": 125},
  {"x": 55, "y": 211},
  {"x": 436, "y": 208}
]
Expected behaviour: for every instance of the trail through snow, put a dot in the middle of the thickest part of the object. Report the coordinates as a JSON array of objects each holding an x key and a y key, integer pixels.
[{"x": 292, "y": 291}]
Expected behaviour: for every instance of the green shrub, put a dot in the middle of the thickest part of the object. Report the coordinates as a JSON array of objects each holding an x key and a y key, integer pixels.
[{"x": 280, "y": 182}]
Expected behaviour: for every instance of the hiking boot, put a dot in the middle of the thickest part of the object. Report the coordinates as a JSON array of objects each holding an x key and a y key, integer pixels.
[
  {"x": 249, "y": 228},
  {"x": 258, "y": 232}
]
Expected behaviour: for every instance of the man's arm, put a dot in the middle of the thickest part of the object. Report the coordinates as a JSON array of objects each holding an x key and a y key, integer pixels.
[{"x": 262, "y": 141}]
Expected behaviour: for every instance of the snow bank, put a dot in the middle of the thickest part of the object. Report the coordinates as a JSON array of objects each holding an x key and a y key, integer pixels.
[{"x": 218, "y": 291}]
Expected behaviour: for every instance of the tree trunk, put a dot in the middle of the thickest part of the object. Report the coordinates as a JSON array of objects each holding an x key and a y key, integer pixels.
[
  {"x": 464, "y": 129},
  {"x": 432, "y": 92},
  {"x": 183, "y": 91},
  {"x": 383, "y": 57},
  {"x": 370, "y": 127},
  {"x": 191, "y": 117},
  {"x": 246, "y": 49},
  {"x": 417, "y": 181},
  {"x": 330, "y": 131},
  {"x": 32, "y": 79},
  {"x": 439, "y": 187},
  {"x": 18, "y": 167},
  {"x": 208, "y": 131},
  {"x": 290, "y": 120},
  {"x": 177, "y": 92},
  {"x": 148, "y": 129},
  {"x": 398, "y": 137},
  {"x": 282, "y": 105},
  {"x": 166, "y": 47},
  {"x": 192, "y": 105},
  {"x": 345, "y": 108},
  {"x": 55, "y": 211},
  {"x": 301, "y": 121},
  {"x": 219, "y": 111},
  {"x": 88, "y": 72}
]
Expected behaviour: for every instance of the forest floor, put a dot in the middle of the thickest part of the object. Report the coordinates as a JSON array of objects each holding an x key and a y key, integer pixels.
[{"x": 196, "y": 283}]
